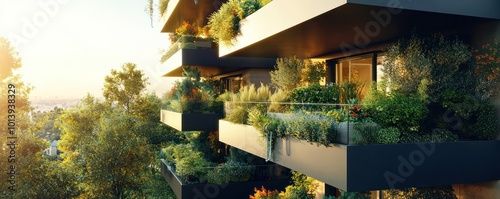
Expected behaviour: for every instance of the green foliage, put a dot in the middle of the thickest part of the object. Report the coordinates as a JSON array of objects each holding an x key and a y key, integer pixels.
[
  {"x": 316, "y": 93},
  {"x": 486, "y": 70},
  {"x": 396, "y": 109},
  {"x": 230, "y": 171},
  {"x": 224, "y": 24},
  {"x": 435, "y": 59},
  {"x": 366, "y": 133},
  {"x": 487, "y": 125},
  {"x": 292, "y": 72},
  {"x": 437, "y": 135},
  {"x": 190, "y": 165},
  {"x": 238, "y": 115},
  {"x": 443, "y": 192},
  {"x": 303, "y": 187},
  {"x": 240, "y": 103},
  {"x": 313, "y": 72},
  {"x": 314, "y": 128},
  {"x": 191, "y": 95},
  {"x": 9, "y": 59},
  {"x": 278, "y": 100},
  {"x": 124, "y": 86},
  {"x": 349, "y": 91},
  {"x": 388, "y": 135},
  {"x": 285, "y": 76}
]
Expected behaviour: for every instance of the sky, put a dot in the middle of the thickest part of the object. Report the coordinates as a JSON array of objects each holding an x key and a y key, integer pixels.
[{"x": 67, "y": 47}]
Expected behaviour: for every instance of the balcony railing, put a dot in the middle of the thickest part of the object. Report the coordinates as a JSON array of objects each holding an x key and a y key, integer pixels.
[{"x": 187, "y": 42}]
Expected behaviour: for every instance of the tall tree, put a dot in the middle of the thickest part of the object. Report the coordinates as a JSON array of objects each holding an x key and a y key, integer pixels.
[
  {"x": 9, "y": 59},
  {"x": 125, "y": 86},
  {"x": 15, "y": 108},
  {"x": 116, "y": 162}
]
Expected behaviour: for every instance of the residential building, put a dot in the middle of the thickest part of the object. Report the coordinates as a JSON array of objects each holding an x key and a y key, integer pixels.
[{"x": 350, "y": 36}]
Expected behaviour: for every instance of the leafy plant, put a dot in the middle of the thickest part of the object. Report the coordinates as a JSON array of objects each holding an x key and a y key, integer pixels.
[
  {"x": 278, "y": 101},
  {"x": 316, "y": 94},
  {"x": 314, "y": 128},
  {"x": 349, "y": 91},
  {"x": 224, "y": 24},
  {"x": 444, "y": 192},
  {"x": 230, "y": 171},
  {"x": 396, "y": 109},
  {"x": 303, "y": 187},
  {"x": 388, "y": 135},
  {"x": 437, "y": 135},
  {"x": 487, "y": 125},
  {"x": 263, "y": 193},
  {"x": 487, "y": 70},
  {"x": 436, "y": 59},
  {"x": 240, "y": 103},
  {"x": 285, "y": 76},
  {"x": 191, "y": 95}
]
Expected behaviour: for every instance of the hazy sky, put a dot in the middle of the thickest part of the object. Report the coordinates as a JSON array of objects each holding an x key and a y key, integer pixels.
[{"x": 69, "y": 46}]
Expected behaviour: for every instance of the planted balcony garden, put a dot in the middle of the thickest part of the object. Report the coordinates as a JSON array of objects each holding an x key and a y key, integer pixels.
[
  {"x": 187, "y": 36},
  {"x": 198, "y": 161},
  {"x": 191, "y": 104},
  {"x": 435, "y": 91}
]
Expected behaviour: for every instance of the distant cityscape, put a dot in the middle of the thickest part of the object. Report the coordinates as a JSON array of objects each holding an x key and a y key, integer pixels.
[{"x": 44, "y": 105}]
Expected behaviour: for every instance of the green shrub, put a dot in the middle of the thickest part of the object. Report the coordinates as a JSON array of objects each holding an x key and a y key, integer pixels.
[
  {"x": 316, "y": 94},
  {"x": 224, "y": 24},
  {"x": 240, "y": 103},
  {"x": 303, "y": 187},
  {"x": 285, "y": 76},
  {"x": 278, "y": 100},
  {"x": 396, "y": 109},
  {"x": 314, "y": 128},
  {"x": 366, "y": 133},
  {"x": 292, "y": 72},
  {"x": 238, "y": 115},
  {"x": 191, "y": 95},
  {"x": 437, "y": 135},
  {"x": 230, "y": 171},
  {"x": 388, "y": 135},
  {"x": 487, "y": 125},
  {"x": 442, "y": 192},
  {"x": 436, "y": 59},
  {"x": 350, "y": 91}
]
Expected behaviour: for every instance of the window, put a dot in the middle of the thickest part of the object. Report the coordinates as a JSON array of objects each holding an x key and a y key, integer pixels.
[{"x": 361, "y": 69}]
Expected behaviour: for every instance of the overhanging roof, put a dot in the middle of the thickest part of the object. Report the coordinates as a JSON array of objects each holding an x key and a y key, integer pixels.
[{"x": 322, "y": 27}]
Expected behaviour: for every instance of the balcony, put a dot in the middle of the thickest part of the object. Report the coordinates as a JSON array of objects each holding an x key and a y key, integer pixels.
[
  {"x": 203, "y": 54},
  {"x": 375, "y": 167},
  {"x": 185, "y": 190},
  {"x": 191, "y": 121},
  {"x": 327, "y": 29}
]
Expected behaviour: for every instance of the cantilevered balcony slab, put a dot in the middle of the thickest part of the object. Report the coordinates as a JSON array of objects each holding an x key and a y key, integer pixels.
[
  {"x": 375, "y": 167},
  {"x": 191, "y": 121},
  {"x": 228, "y": 190},
  {"x": 187, "y": 10},
  {"x": 208, "y": 62},
  {"x": 321, "y": 28}
]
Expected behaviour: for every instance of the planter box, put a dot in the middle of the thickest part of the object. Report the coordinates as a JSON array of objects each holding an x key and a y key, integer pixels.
[
  {"x": 191, "y": 121},
  {"x": 375, "y": 167},
  {"x": 223, "y": 191}
]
